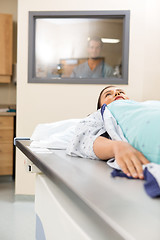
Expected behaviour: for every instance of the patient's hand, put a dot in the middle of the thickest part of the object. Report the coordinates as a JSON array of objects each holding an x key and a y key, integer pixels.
[{"x": 129, "y": 159}]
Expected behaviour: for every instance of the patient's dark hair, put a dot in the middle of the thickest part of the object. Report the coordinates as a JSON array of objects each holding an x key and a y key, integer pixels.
[{"x": 99, "y": 99}]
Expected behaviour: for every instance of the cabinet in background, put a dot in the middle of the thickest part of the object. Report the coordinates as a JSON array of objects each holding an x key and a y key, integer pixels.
[
  {"x": 6, "y": 144},
  {"x": 6, "y": 47}
]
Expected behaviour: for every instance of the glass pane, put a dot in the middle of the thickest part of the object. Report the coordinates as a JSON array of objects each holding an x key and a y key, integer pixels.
[{"x": 78, "y": 47}]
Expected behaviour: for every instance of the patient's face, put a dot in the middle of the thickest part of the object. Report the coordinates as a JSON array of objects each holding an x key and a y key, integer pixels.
[{"x": 112, "y": 94}]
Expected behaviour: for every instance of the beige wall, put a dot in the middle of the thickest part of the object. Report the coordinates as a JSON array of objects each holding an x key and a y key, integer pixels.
[
  {"x": 151, "y": 67},
  {"x": 38, "y": 103},
  {"x": 8, "y": 91}
]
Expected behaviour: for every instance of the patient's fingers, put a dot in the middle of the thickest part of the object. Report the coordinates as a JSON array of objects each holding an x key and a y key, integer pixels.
[
  {"x": 123, "y": 166},
  {"x": 138, "y": 159},
  {"x": 132, "y": 168},
  {"x": 127, "y": 166},
  {"x": 137, "y": 167}
]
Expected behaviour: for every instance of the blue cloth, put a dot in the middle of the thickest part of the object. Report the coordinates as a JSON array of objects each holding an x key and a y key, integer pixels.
[
  {"x": 151, "y": 176},
  {"x": 151, "y": 186},
  {"x": 119, "y": 173}
]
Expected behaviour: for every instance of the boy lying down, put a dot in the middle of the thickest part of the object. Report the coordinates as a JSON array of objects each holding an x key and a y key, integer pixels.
[{"x": 123, "y": 129}]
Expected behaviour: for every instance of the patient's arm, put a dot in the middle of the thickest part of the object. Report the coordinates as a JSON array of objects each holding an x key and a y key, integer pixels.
[{"x": 128, "y": 158}]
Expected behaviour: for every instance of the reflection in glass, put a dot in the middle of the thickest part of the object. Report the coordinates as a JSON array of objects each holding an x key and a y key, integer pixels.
[{"x": 64, "y": 48}]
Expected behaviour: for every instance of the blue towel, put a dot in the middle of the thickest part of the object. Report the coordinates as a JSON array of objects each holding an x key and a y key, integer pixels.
[{"x": 151, "y": 176}]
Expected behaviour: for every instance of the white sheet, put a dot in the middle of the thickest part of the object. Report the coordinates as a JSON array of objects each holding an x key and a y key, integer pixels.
[{"x": 54, "y": 135}]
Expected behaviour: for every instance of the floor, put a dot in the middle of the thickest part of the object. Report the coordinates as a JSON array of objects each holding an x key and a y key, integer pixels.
[{"x": 17, "y": 214}]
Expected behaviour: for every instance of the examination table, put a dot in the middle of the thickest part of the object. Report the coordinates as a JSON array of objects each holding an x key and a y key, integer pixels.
[{"x": 77, "y": 199}]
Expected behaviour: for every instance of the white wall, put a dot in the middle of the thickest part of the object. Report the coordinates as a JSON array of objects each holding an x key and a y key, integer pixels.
[{"x": 37, "y": 103}]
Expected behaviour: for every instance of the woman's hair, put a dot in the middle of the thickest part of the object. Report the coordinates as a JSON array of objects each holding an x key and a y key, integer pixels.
[{"x": 99, "y": 99}]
